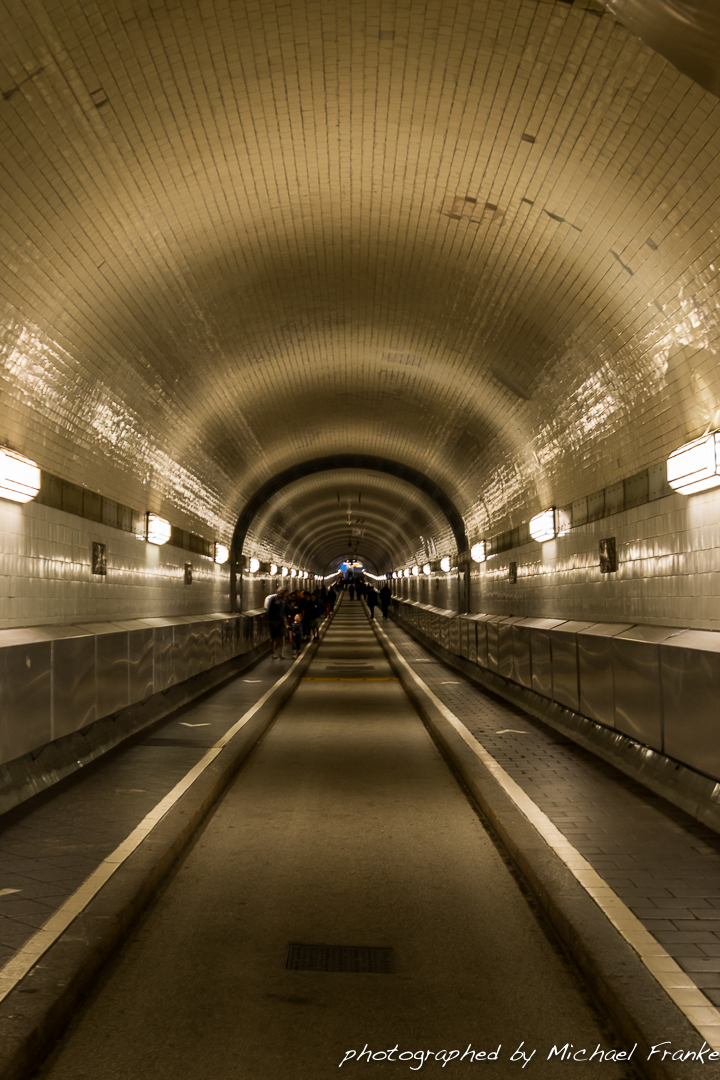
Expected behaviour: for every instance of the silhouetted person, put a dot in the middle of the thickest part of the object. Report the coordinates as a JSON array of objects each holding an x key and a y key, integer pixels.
[
  {"x": 371, "y": 598},
  {"x": 385, "y": 598}
]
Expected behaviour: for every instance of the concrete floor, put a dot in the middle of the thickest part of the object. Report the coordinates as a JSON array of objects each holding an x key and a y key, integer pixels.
[{"x": 345, "y": 827}]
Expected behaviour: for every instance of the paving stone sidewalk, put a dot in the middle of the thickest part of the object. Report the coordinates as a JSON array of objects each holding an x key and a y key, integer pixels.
[{"x": 662, "y": 863}]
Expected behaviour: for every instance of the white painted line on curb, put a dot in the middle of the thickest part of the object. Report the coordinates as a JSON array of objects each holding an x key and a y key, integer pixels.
[
  {"x": 677, "y": 984},
  {"x": 24, "y": 959}
]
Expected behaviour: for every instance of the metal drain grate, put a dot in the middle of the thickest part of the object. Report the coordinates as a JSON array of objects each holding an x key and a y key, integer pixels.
[{"x": 367, "y": 959}]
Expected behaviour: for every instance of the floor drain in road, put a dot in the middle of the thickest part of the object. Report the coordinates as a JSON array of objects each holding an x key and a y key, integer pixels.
[{"x": 353, "y": 958}]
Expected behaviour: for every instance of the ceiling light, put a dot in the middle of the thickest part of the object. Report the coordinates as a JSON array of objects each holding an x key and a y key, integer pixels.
[
  {"x": 221, "y": 554},
  {"x": 543, "y": 526},
  {"x": 157, "y": 530},
  {"x": 445, "y": 563},
  {"x": 696, "y": 465},
  {"x": 477, "y": 552},
  {"x": 19, "y": 477}
]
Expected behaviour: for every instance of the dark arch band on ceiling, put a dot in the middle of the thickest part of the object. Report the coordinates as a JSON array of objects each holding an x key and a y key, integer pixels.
[{"x": 349, "y": 461}]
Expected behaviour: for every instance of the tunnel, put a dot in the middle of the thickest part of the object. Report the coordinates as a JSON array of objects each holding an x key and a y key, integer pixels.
[{"x": 417, "y": 297}]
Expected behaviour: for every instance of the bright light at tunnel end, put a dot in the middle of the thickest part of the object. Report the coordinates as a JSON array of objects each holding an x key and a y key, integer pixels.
[
  {"x": 543, "y": 526},
  {"x": 696, "y": 465}
]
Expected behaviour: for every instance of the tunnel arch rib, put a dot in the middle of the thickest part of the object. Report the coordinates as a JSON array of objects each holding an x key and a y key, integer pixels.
[{"x": 370, "y": 462}]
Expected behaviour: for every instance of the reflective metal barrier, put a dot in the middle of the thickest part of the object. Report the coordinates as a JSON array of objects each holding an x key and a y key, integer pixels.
[
  {"x": 659, "y": 685},
  {"x": 55, "y": 680}
]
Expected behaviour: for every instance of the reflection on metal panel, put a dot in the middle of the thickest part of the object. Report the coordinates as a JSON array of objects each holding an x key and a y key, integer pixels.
[
  {"x": 140, "y": 664},
  {"x": 506, "y": 647},
  {"x": 690, "y": 670},
  {"x": 521, "y": 651},
  {"x": 453, "y": 634},
  {"x": 163, "y": 671},
  {"x": 25, "y": 701},
  {"x": 182, "y": 640},
  {"x": 636, "y": 670},
  {"x": 111, "y": 672},
  {"x": 563, "y": 649},
  {"x": 73, "y": 684},
  {"x": 595, "y": 671},
  {"x": 481, "y": 640},
  {"x": 541, "y": 662}
]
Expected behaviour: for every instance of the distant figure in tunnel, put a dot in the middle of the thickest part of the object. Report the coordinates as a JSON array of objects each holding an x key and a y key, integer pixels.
[
  {"x": 385, "y": 598},
  {"x": 331, "y": 598},
  {"x": 372, "y": 598},
  {"x": 352, "y": 590},
  {"x": 275, "y": 607}
]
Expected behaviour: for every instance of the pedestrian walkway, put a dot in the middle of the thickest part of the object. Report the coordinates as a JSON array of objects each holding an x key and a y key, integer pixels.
[
  {"x": 663, "y": 864},
  {"x": 343, "y": 900}
]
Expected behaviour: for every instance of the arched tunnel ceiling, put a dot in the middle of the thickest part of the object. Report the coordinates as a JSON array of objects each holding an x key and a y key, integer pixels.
[
  {"x": 343, "y": 512},
  {"x": 479, "y": 240}
]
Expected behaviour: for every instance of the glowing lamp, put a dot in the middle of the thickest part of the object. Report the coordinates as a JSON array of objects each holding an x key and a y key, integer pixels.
[
  {"x": 293, "y": 572},
  {"x": 696, "y": 465},
  {"x": 445, "y": 563},
  {"x": 543, "y": 526},
  {"x": 415, "y": 571},
  {"x": 273, "y": 569},
  {"x": 221, "y": 554},
  {"x": 157, "y": 529},
  {"x": 19, "y": 477},
  {"x": 284, "y": 572},
  {"x": 477, "y": 552},
  {"x": 254, "y": 566},
  {"x": 426, "y": 568}
]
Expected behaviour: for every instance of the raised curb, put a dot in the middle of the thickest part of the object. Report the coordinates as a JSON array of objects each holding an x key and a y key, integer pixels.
[
  {"x": 640, "y": 1009},
  {"x": 38, "y": 1009}
]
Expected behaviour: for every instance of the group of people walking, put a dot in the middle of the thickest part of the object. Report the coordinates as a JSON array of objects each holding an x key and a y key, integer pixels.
[{"x": 296, "y": 616}]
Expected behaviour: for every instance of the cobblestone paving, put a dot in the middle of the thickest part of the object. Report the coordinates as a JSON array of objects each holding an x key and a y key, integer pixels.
[
  {"x": 661, "y": 862},
  {"x": 53, "y": 842}
]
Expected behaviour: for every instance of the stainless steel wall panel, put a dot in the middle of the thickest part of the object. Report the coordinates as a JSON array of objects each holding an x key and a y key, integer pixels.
[
  {"x": 140, "y": 664},
  {"x": 163, "y": 667},
  {"x": 690, "y": 674},
  {"x": 182, "y": 641},
  {"x": 563, "y": 651},
  {"x": 453, "y": 635},
  {"x": 73, "y": 684},
  {"x": 636, "y": 675},
  {"x": 111, "y": 672},
  {"x": 25, "y": 698},
  {"x": 481, "y": 640},
  {"x": 521, "y": 652},
  {"x": 493, "y": 645},
  {"x": 595, "y": 671},
  {"x": 506, "y": 648}
]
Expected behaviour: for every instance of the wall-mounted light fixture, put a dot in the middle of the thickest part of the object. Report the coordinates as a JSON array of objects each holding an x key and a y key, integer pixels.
[
  {"x": 19, "y": 477},
  {"x": 415, "y": 571},
  {"x": 221, "y": 554},
  {"x": 293, "y": 572},
  {"x": 254, "y": 566},
  {"x": 426, "y": 568},
  {"x": 406, "y": 572},
  {"x": 445, "y": 563},
  {"x": 544, "y": 526},
  {"x": 696, "y": 465},
  {"x": 284, "y": 572},
  {"x": 478, "y": 552},
  {"x": 157, "y": 529},
  {"x": 273, "y": 568}
]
